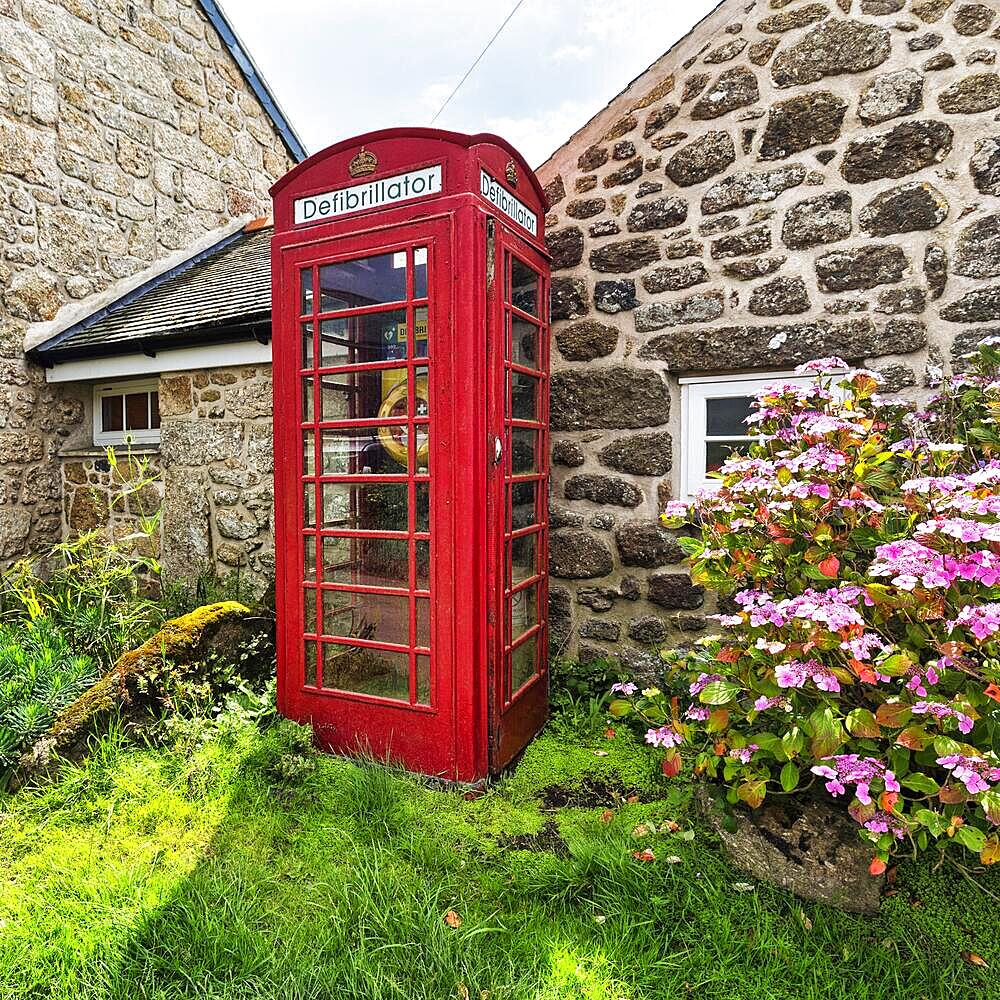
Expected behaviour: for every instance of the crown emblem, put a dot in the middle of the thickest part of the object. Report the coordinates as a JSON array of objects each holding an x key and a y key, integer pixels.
[
  {"x": 512, "y": 173},
  {"x": 363, "y": 164}
]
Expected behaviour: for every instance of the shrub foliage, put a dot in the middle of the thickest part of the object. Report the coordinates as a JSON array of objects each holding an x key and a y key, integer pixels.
[{"x": 858, "y": 546}]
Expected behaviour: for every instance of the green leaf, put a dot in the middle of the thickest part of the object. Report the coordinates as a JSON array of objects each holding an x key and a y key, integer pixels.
[
  {"x": 619, "y": 707},
  {"x": 934, "y": 822},
  {"x": 861, "y": 722},
  {"x": 918, "y": 782},
  {"x": 971, "y": 837},
  {"x": 690, "y": 546},
  {"x": 789, "y": 777},
  {"x": 719, "y": 693},
  {"x": 827, "y": 733}
]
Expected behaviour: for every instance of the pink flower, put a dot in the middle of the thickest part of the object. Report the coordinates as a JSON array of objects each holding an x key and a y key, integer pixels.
[{"x": 665, "y": 736}]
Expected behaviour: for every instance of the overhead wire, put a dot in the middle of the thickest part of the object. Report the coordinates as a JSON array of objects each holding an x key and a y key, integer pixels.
[{"x": 486, "y": 49}]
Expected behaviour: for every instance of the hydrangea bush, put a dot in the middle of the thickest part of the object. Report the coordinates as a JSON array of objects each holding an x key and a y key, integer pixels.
[{"x": 858, "y": 544}]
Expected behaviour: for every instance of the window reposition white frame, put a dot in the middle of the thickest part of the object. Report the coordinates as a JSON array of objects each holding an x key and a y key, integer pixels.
[
  {"x": 150, "y": 435},
  {"x": 695, "y": 393}
]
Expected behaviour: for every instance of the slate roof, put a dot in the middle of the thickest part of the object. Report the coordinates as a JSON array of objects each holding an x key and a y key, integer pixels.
[{"x": 221, "y": 294}]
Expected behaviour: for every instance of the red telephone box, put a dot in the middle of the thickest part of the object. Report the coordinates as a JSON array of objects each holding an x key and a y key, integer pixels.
[{"x": 411, "y": 366}]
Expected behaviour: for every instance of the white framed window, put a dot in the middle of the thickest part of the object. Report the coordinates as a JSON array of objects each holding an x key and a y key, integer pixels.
[
  {"x": 127, "y": 411},
  {"x": 714, "y": 410}
]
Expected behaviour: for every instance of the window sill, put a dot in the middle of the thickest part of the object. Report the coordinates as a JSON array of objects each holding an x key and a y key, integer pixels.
[{"x": 101, "y": 451}]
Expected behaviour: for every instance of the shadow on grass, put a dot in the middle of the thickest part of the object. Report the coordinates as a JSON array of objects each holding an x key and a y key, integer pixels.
[{"x": 325, "y": 878}]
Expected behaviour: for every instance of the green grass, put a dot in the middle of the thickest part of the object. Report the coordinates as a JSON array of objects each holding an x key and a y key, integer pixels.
[{"x": 239, "y": 869}]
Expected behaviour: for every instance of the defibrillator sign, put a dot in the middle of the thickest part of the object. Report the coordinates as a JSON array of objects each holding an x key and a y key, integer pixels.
[
  {"x": 374, "y": 194},
  {"x": 512, "y": 207}
]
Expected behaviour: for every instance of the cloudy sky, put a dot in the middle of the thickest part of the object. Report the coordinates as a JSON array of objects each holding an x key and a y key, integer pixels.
[{"x": 342, "y": 67}]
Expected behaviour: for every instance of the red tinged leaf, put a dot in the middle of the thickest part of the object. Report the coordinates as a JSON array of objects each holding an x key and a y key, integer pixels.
[
  {"x": 877, "y": 867},
  {"x": 992, "y": 691},
  {"x": 914, "y": 738},
  {"x": 888, "y": 800},
  {"x": 973, "y": 959},
  {"x": 607, "y": 816},
  {"x": 645, "y": 855},
  {"x": 453, "y": 920},
  {"x": 671, "y": 764},
  {"x": 609, "y": 733},
  {"x": 952, "y": 795},
  {"x": 892, "y": 714},
  {"x": 728, "y": 654},
  {"x": 830, "y": 567}
]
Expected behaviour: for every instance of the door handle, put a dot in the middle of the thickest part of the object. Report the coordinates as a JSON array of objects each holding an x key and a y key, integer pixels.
[{"x": 497, "y": 451}]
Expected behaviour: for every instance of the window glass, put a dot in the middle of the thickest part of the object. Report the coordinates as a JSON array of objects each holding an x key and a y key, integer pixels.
[
  {"x": 112, "y": 414},
  {"x": 365, "y": 506},
  {"x": 523, "y": 663},
  {"x": 523, "y": 611},
  {"x": 523, "y": 450},
  {"x": 726, "y": 416},
  {"x": 308, "y": 346},
  {"x": 374, "y": 617},
  {"x": 306, "y": 276},
  {"x": 523, "y": 287},
  {"x": 381, "y": 672},
  {"x": 420, "y": 273},
  {"x": 523, "y": 504},
  {"x": 523, "y": 396},
  {"x": 366, "y": 562},
  {"x": 718, "y": 452},
  {"x": 363, "y": 395},
  {"x": 368, "y": 451},
  {"x": 423, "y": 679},
  {"x": 366, "y": 282},
  {"x": 523, "y": 343},
  {"x": 523, "y": 558},
  {"x": 356, "y": 340}
]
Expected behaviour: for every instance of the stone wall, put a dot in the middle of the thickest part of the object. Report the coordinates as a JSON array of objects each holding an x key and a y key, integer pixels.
[
  {"x": 126, "y": 131},
  {"x": 218, "y": 474},
  {"x": 793, "y": 180}
]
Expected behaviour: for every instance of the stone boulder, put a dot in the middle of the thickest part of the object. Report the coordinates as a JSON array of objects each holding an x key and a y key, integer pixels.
[
  {"x": 832, "y": 48},
  {"x": 586, "y": 340},
  {"x": 862, "y": 268},
  {"x": 647, "y": 544},
  {"x": 906, "y": 209},
  {"x": 985, "y": 165},
  {"x": 568, "y": 298},
  {"x": 625, "y": 256},
  {"x": 905, "y": 149},
  {"x": 977, "y": 253},
  {"x": 614, "y": 397},
  {"x": 806, "y": 845},
  {"x": 802, "y": 122},
  {"x": 891, "y": 95},
  {"x": 701, "y": 307},
  {"x": 818, "y": 221},
  {"x": 748, "y": 187},
  {"x": 734, "y": 88},
  {"x": 649, "y": 454},
  {"x": 702, "y": 159},
  {"x": 971, "y": 96},
  {"x": 659, "y": 213},
  {"x": 780, "y": 297},
  {"x": 602, "y": 490},
  {"x": 576, "y": 554},
  {"x": 565, "y": 246}
]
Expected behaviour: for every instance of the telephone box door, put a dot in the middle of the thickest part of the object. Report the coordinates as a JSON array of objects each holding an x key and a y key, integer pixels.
[
  {"x": 518, "y": 346},
  {"x": 366, "y": 358}
]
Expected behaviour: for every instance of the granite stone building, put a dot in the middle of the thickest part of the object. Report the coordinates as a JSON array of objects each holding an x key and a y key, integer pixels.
[
  {"x": 794, "y": 179},
  {"x": 128, "y": 130}
]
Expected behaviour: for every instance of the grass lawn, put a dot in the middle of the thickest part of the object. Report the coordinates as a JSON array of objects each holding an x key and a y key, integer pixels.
[{"x": 236, "y": 868}]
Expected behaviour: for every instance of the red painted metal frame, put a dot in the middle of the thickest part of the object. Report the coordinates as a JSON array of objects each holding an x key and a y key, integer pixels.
[{"x": 474, "y": 724}]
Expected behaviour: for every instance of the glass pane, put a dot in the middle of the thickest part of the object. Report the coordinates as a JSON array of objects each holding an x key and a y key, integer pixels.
[
  {"x": 523, "y": 505},
  {"x": 423, "y": 623},
  {"x": 522, "y": 665},
  {"x": 523, "y": 396},
  {"x": 423, "y": 560},
  {"x": 364, "y": 451},
  {"x": 307, "y": 400},
  {"x": 726, "y": 417},
  {"x": 423, "y": 501},
  {"x": 365, "y": 506},
  {"x": 716, "y": 452},
  {"x": 523, "y": 450},
  {"x": 380, "y": 672},
  {"x": 306, "y": 281},
  {"x": 363, "y": 395},
  {"x": 308, "y": 454},
  {"x": 111, "y": 413},
  {"x": 423, "y": 679},
  {"x": 377, "y": 617},
  {"x": 154, "y": 409},
  {"x": 308, "y": 346},
  {"x": 309, "y": 557},
  {"x": 309, "y": 505},
  {"x": 368, "y": 562},
  {"x": 360, "y": 339},
  {"x": 523, "y": 561},
  {"x": 523, "y": 343},
  {"x": 523, "y": 611},
  {"x": 310, "y": 663},
  {"x": 523, "y": 287},
  {"x": 421, "y": 346},
  {"x": 309, "y": 609},
  {"x": 365, "y": 282},
  {"x": 420, "y": 273}
]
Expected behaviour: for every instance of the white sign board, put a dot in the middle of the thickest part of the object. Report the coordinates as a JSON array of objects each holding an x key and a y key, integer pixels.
[
  {"x": 374, "y": 194},
  {"x": 512, "y": 207}
]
